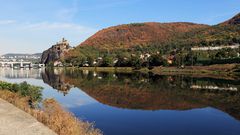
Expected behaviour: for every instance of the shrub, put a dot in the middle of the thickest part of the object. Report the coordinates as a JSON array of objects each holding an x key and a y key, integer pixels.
[
  {"x": 51, "y": 114},
  {"x": 24, "y": 89},
  {"x": 137, "y": 24}
]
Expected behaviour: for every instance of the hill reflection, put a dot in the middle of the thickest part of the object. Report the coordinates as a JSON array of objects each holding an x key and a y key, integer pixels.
[{"x": 150, "y": 92}]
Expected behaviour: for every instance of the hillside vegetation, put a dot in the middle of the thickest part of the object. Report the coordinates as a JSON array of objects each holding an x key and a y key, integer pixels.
[
  {"x": 127, "y": 36},
  {"x": 138, "y": 43}
]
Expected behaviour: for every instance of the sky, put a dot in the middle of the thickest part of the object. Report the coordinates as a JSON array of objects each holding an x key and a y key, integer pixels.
[{"x": 32, "y": 26}]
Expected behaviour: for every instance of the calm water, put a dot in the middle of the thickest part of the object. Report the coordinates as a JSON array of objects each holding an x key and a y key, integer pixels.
[{"x": 142, "y": 104}]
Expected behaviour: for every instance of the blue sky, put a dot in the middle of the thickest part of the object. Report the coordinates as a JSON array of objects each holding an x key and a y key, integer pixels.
[{"x": 30, "y": 26}]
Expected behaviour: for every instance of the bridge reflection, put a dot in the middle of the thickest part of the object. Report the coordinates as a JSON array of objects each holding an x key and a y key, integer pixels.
[{"x": 21, "y": 73}]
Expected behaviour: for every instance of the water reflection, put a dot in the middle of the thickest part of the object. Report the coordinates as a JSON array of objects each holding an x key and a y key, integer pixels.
[
  {"x": 150, "y": 92},
  {"x": 142, "y": 104},
  {"x": 55, "y": 79},
  {"x": 21, "y": 73}
]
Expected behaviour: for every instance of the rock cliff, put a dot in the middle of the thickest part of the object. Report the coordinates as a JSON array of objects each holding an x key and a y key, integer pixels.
[{"x": 54, "y": 53}]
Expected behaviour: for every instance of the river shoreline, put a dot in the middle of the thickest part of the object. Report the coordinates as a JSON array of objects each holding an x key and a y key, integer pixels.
[
  {"x": 51, "y": 114},
  {"x": 137, "y": 95},
  {"x": 225, "y": 71}
]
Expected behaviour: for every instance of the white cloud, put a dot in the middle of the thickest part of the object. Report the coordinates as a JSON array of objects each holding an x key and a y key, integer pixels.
[
  {"x": 68, "y": 13},
  {"x": 36, "y": 37},
  {"x": 108, "y": 4},
  {"x": 6, "y": 22},
  {"x": 57, "y": 26},
  {"x": 75, "y": 32}
]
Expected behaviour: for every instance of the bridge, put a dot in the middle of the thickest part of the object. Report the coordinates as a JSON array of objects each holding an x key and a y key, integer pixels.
[{"x": 20, "y": 64}]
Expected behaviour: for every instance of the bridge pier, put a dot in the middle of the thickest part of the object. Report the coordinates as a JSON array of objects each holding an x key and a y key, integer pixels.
[
  {"x": 21, "y": 65},
  {"x": 11, "y": 65}
]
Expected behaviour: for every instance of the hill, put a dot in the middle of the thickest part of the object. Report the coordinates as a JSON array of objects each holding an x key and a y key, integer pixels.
[
  {"x": 233, "y": 21},
  {"x": 224, "y": 33},
  {"x": 130, "y": 35},
  {"x": 121, "y": 42},
  {"x": 140, "y": 34}
]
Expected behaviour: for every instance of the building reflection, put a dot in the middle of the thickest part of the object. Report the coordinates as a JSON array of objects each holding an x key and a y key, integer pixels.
[{"x": 55, "y": 79}]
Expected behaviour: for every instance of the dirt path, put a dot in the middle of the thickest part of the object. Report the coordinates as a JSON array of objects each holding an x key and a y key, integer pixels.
[{"x": 14, "y": 121}]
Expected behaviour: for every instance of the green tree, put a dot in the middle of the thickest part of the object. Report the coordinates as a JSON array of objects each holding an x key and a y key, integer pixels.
[
  {"x": 156, "y": 60},
  {"x": 34, "y": 92},
  {"x": 90, "y": 60},
  {"x": 107, "y": 61},
  {"x": 190, "y": 59},
  {"x": 221, "y": 54},
  {"x": 136, "y": 62},
  {"x": 15, "y": 87},
  {"x": 122, "y": 61}
]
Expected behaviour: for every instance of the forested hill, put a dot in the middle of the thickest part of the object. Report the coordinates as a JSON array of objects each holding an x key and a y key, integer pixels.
[
  {"x": 224, "y": 33},
  {"x": 165, "y": 39},
  {"x": 130, "y": 35}
]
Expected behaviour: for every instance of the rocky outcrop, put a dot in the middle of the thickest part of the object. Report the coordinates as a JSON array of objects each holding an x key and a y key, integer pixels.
[{"x": 56, "y": 52}]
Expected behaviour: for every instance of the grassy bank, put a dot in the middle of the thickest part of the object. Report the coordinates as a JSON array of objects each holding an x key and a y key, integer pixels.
[
  {"x": 106, "y": 69},
  {"x": 212, "y": 69},
  {"x": 26, "y": 97}
]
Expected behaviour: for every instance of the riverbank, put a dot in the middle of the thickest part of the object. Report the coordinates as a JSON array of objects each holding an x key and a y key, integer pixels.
[
  {"x": 214, "y": 71},
  {"x": 17, "y": 122},
  {"x": 223, "y": 71},
  {"x": 51, "y": 114},
  {"x": 106, "y": 69}
]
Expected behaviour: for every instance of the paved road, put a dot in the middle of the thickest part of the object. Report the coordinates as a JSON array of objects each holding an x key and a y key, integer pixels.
[{"x": 14, "y": 121}]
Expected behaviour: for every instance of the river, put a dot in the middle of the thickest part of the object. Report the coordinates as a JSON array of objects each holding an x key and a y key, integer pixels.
[{"x": 141, "y": 104}]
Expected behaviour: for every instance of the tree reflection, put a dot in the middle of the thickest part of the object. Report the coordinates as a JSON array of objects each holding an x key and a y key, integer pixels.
[{"x": 150, "y": 92}]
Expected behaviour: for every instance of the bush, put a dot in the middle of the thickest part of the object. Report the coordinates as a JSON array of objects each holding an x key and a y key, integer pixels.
[
  {"x": 24, "y": 89},
  {"x": 137, "y": 24},
  {"x": 219, "y": 61},
  {"x": 51, "y": 114}
]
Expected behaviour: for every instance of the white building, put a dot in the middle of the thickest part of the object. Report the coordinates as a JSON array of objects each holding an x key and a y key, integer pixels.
[{"x": 211, "y": 48}]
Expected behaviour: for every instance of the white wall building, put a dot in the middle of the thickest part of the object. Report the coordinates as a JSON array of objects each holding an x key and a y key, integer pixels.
[{"x": 211, "y": 48}]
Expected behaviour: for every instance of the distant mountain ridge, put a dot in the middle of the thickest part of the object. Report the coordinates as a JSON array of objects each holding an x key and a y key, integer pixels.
[{"x": 21, "y": 54}]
